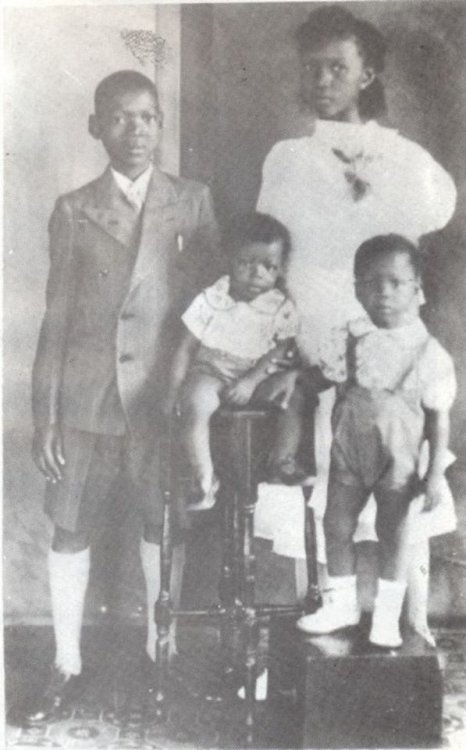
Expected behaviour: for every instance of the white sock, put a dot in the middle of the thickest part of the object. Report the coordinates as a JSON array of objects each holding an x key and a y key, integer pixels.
[
  {"x": 69, "y": 576},
  {"x": 150, "y": 559},
  {"x": 336, "y": 583},
  {"x": 387, "y": 610}
]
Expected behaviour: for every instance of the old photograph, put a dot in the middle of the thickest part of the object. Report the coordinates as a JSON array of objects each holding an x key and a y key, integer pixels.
[{"x": 234, "y": 370}]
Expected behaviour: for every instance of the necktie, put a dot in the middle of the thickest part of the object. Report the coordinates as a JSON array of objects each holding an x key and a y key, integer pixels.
[{"x": 134, "y": 197}]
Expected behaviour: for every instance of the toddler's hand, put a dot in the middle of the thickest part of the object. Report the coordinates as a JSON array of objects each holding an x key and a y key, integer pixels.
[
  {"x": 278, "y": 388},
  {"x": 433, "y": 489},
  {"x": 240, "y": 393}
]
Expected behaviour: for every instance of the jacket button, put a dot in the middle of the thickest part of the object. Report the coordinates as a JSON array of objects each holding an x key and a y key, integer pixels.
[
  {"x": 125, "y": 358},
  {"x": 126, "y": 315}
]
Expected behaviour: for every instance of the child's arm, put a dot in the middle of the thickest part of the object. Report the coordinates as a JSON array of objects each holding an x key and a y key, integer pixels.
[
  {"x": 437, "y": 433},
  {"x": 240, "y": 392},
  {"x": 179, "y": 368}
]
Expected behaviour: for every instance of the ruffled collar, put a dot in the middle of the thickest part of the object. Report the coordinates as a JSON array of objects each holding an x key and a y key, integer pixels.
[
  {"x": 411, "y": 334},
  {"x": 218, "y": 297}
]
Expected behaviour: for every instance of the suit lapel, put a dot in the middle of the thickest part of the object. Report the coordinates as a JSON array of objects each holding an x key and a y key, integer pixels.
[
  {"x": 111, "y": 211},
  {"x": 156, "y": 219}
]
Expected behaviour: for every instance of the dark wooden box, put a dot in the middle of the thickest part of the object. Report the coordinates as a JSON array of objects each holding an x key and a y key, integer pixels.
[{"x": 337, "y": 691}]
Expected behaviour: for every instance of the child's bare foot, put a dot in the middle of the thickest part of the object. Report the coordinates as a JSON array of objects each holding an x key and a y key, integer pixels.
[
  {"x": 204, "y": 499},
  {"x": 287, "y": 471}
]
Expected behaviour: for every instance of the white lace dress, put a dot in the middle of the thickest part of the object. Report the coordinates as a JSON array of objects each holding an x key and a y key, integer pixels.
[{"x": 334, "y": 190}]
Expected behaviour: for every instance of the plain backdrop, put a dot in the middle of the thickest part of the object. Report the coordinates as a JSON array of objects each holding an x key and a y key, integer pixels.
[{"x": 237, "y": 71}]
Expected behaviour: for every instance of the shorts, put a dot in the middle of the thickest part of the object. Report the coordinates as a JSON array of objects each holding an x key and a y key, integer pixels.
[
  {"x": 222, "y": 365},
  {"x": 97, "y": 468},
  {"x": 377, "y": 441}
]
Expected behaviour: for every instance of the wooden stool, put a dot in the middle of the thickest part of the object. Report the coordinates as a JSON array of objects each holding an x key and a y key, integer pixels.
[{"x": 240, "y": 452}]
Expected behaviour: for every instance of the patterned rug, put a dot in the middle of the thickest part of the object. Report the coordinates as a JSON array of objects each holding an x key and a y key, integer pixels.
[{"x": 201, "y": 713}]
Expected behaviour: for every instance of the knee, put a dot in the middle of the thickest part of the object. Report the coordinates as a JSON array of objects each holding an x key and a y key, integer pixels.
[
  {"x": 338, "y": 530},
  {"x": 199, "y": 407},
  {"x": 69, "y": 541}
]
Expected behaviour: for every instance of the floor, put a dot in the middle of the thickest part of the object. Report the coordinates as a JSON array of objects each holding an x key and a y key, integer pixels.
[{"x": 202, "y": 712}]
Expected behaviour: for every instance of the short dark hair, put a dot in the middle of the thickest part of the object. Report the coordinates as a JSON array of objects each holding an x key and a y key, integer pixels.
[
  {"x": 334, "y": 22},
  {"x": 256, "y": 227},
  {"x": 383, "y": 245},
  {"x": 120, "y": 83}
]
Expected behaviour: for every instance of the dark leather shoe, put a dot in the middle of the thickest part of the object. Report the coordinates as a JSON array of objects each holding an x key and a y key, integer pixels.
[{"x": 57, "y": 694}]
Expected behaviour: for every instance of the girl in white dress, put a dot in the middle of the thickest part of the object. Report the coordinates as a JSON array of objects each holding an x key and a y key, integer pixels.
[{"x": 350, "y": 180}]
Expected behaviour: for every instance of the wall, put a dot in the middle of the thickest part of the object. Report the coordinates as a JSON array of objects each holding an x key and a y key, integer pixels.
[
  {"x": 238, "y": 96},
  {"x": 55, "y": 57}
]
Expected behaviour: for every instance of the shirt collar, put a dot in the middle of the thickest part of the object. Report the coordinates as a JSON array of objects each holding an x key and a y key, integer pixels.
[
  {"x": 134, "y": 190},
  {"x": 218, "y": 296},
  {"x": 410, "y": 334}
]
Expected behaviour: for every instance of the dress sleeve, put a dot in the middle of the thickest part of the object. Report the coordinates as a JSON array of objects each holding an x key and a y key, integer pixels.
[
  {"x": 438, "y": 378},
  {"x": 286, "y": 325},
  {"x": 198, "y": 316},
  {"x": 331, "y": 355},
  {"x": 416, "y": 194},
  {"x": 269, "y": 200}
]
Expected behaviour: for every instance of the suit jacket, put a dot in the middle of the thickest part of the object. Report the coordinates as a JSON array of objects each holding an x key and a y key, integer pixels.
[{"x": 110, "y": 316}]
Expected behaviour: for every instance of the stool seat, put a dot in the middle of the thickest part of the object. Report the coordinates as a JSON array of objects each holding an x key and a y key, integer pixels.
[{"x": 244, "y": 413}]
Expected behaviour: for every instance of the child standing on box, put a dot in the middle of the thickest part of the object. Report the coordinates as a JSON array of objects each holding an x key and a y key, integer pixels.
[
  {"x": 233, "y": 329},
  {"x": 127, "y": 254},
  {"x": 395, "y": 387}
]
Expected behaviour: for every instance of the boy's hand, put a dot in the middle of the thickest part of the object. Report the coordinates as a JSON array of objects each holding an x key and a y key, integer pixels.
[
  {"x": 240, "y": 393},
  {"x": 433, "y": 489},
  {"x": 278, "y": 388},
  {"x": 47, "y": 452}
]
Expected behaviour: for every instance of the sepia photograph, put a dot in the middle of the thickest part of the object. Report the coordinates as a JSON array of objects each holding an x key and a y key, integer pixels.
[{"x": 234, "y": 375}]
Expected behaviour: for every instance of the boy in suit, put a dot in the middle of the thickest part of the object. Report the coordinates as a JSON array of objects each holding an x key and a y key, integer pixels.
[{"x": 128, "y": 252}]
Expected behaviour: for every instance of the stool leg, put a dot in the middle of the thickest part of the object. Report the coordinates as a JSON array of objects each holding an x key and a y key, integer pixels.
[
  {"x": 228, "y": 581},
  {"x": 163, "y": 607},
  {"x": 247, "y": 502},
  {"x": 313, "y": 599}
]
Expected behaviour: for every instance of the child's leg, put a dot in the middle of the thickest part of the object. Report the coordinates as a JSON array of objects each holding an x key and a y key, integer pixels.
[
  {"x": 392, "y": 530},
  {"x": 341, "y": 517},
  {"x": 393, "y": 533},
  {"x": 340, "y": 608},
  {"x": 201, "y": 398},
  {"x": 289, "y": 427},
  {"x": 283, "y": 462},
  {"x": 68, "y": 565}
]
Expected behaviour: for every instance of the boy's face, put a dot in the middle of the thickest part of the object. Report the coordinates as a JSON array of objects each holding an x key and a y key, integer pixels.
[
  {"x": 255, "y": 269},
  {"x": 128, "y": 127},
  {"x": 388, "y": 290},
  {"x": 332, "y": 77}
]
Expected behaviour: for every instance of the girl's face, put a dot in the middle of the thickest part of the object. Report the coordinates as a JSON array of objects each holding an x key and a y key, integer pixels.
[
  {"x": 332, "y": 77},
  {"x": 255, "y": 269},
  {"x": 388, "y": 290}
]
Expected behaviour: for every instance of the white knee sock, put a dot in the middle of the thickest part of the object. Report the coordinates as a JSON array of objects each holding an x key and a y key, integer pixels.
[
  {"x": 69, "y": 576},
  {"x": 385, "y": 629},
  {"x": 150, "y": 559}
]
